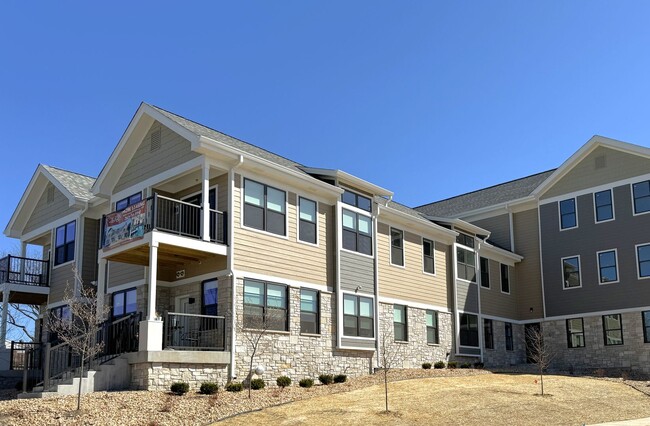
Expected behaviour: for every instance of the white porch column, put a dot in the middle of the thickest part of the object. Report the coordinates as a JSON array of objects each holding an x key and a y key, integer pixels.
[
  {"x": 151, "y": 330},
  {"x": 205, "y": 202},
  {"x": 153, "y": 272},
  {"x": 3, "y": 326},
  {"x": 23, "y": 254},
  {"x": 101, "y": 284}
]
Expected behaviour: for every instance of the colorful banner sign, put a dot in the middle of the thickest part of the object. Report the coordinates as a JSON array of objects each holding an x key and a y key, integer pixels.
[{"x": 125, "y": 226}]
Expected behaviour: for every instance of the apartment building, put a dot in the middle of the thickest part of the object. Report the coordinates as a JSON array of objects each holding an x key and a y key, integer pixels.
[{"x": 195, "y": 240}]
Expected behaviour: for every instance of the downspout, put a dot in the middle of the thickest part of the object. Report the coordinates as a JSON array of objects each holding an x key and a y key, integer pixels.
[
  {"x": 376, "y": 273},
  {"x": 231, "y": 262}
]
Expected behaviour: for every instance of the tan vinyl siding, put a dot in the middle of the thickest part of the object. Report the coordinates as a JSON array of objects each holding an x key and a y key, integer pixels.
[
  {"x": 62, "y": 277},
  {"x": 618, "y": 166},
  {"x": 493, "y": 301},
  {"x": 499, "y": 227},
  {"x": 357, "y": 272},
  {"x": 258, "y": 252},
  {"x": 123, "y": 273},
  {"x": 45, "y": 213},
  {"x": 90, "y": 244},
  {"x": 410, "y": 282},
  {"x": 528, "y": 271},
  {"x": 173, "y": 151}
]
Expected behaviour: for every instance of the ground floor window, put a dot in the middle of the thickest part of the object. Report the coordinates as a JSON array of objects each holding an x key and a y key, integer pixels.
[
  {"x": 400, "y": 323},
  {"x": 488, "y": 334},
  {"x": 468, "y": 330},
  {"x": 575, "y": 332},
  {"x": 265, "y": 305},
  {"x": 646, "y": 326},
  {"x": 432, "y": 327},
  {"x": 124, "y": 303},
  {"x": 358, "y": 316},
  {"x": 613, "y": 329},
  {"x": 309, "y": 311}
]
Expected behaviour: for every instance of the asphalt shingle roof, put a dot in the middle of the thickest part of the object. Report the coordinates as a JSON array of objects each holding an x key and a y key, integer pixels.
[
  {"x": 497, "y": 194},
  {"x": 79, "y": 185},
  {"x": 201, "y": 130}
]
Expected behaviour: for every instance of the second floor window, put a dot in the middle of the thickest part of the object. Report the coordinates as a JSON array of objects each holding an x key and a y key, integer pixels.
[
  {"x": 307, "y": 217},
  {"x": 264, "y": 207},
  {"x": 64, "y": 245},
  {"x": 128, "y": 201},
  {"x": 466, "y": 264},
  {"x": 357, "y": 232},
  {"x": 643, "y": 260},
  {"x": 265, "y": 306},
  {"x": 428, "y": 248},
  {"x": 568, "y": 216},
  {"x": 396, "y": 247},
  {"x": 485, "y": 272},
  {"x": 607, "y": 269},
  {"x": 603, "y": 205},
  {"x": 356, "y": 200},
  {"x": 505, "y": 278},
  {"x": 124, "y": 303},
  {"x": 571, "y": 271},
  {"x": 641, "y": 194}
]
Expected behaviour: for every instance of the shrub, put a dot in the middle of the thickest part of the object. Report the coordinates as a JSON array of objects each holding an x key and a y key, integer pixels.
[
  {"x": 439, "y": 364},
  {"x": 283, "y": 381},
  {"x": 306, "y": 383},
  {"x": 234, "y": 387},
  {"x": 465, "y": 365},
  {"x": 326, "y": 379},
  {"x": 340, "y": 378},
  {"x": 452, "y": 364},
  {"x": 479, "y": 365},
  {"x": 257, "y": 384},
  {"x": 209, "y": 388},
  {"x": 180, "y": 388},
  {"x": 426, "y": 365}
]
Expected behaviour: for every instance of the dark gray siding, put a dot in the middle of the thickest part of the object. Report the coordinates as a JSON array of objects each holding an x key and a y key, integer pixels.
[
  {"x": 357, "y": 343},
  {"x": 622, "y": 233},
  {"x": 90, "y": 244},
  {"x": 467, "y": 296},
  {"x": 357, "y": 270},
  {"x": 499, "y": 227}
]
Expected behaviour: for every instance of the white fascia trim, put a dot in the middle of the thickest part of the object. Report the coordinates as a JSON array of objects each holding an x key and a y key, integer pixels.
[
  {"x": 350, "y": 179},
  {"x": 499, "y": 254},
  {"x": 323, "y": 288},
  {"x": 410, "y": 304},
  {"x": 515, "y": 205},
  {"x": 427, "y": 228},
  {"x": 127, "y": 286},
  {"x": 189, "y": 243},
  {"x": 50, "y": 226},
  {"x": 23, "y": 288},
  {"x": 597, "y": 313},
  {"x": 461, "y": 224}
]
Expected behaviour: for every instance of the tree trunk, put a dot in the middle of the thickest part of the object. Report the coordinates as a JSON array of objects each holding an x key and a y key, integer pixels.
[
  {"x": 250, "y": 373},
  {"x": 81, "y": 376},
  {"x": 386, "y": 387},
  {"x": 541, "y": 377}
]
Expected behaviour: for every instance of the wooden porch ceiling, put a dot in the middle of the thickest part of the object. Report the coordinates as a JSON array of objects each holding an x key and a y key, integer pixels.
[{"x": 167, "y": 255}]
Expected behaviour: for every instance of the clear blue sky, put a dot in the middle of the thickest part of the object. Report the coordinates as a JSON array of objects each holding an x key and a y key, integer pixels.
[{"x": 429, "y": 99}]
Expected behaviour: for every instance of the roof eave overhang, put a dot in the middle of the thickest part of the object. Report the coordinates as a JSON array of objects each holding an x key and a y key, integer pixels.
[
  {"x": 461, "y": 224},
  {"x": 350, "y": 179},
  {"x": 421, "y": 224}
]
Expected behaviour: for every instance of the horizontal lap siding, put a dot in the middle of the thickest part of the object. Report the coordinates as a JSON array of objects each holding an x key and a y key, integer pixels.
[
  {"x": 173, "y": 151},
  {"x": 528, "y": 271},
  {"x": 123, "y": 273},
  {"x": 45, "y": 213},
  {"x": 62, "y": 278},
  {"x": 283, "y": 257},
  {"x": 91, "y": 242},
  {"x": 493, "y": 301},
  {"x": 499, "y": 227},
  {"x": 357, "y": 271},
  {"x": 411, "y": 283},
  {"x": 467, "y": 296}
]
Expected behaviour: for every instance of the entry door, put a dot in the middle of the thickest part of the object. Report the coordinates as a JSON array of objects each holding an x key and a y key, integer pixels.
[{"x": 530, "y": 331}]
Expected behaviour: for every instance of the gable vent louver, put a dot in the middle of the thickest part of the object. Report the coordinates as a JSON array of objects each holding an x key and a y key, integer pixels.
[
  {"x": 601, "y": 163},
  {"x": 155, "y": 141},
  {"x": 50, "y": 194}
]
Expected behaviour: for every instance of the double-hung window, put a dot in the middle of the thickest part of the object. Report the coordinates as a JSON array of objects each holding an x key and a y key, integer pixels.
[
  {"x": 396, "y": 247},
  {"x": 603, "y": 205},
  {"x": 432, "y": 327},
  {"x": 124, "y": 303},
  {"x": 505, "y": 279},
  {"x": 265, "y": 306},
  {"x": 613, "y": 329},
  {"x": 209, "y": 300},
  {"x": 607, "y": 267},
  {"x": 307, "y": 217},
  {"x": 128, "y": 201},
  {"x": 641, "y": 193},
  {"x": 64, "y": 244},
  {"x": 645, "y": 317},
  {"x": 400, "y": 323},
  {"x": 309, "y": 311},
  {"x": 575, "y": 332},
  {"x": 465, "y": 258},
  {"x": 485, "y": 272},
  {"x": 468, "y": 330},
  {"x": 356, "y": 200},
  {"x": 510, "y": 341},
  {"x": 488, "y": 334},
  {"x": 643, "y": 260},
  {"x": 264, "y": 207},
  {"x": 568, "y": 216},
  {"x": 357, "y": 232},
  {"x": 571, "y": 272},
  {"x": 358, "y": 316},
  {"x": 428, "y": 257}
]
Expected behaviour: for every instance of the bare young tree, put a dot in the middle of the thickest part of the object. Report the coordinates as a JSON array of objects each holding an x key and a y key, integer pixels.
[
  {"x": 79, "y": 331},
  {"x": 539, "y": 351},
  {"x": 389, "y": 357}
]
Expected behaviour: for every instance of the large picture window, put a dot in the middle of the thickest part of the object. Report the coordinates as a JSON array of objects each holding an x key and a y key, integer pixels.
[
  {"x": 428, "y": 257},
  {"x": 357, "y": 232},
  {"x": 396, "y": 247},
  {"x": 358, "y": 316},
  {"x": 641, "y": 193},
  {"x": 265, "y": 305},
  {"x": 264, "y": 207},
  {"x": 400, "y": 323},
  {"x": 575, "y": 332},
  {"x": 603, "y": 205},
  {"x": 468, "y": 330},
  {"x": 64, "y": 244},
  {"x": 309, "y": 311},
  {"x": 613, "y": 329},
  {"x": 568, "y": 216},
  {"x": 432, "y": 327},
  {"x": 571, "y": 272},
  {"x": 124, "y": 303},
  {"x": 307, "y": 217}
]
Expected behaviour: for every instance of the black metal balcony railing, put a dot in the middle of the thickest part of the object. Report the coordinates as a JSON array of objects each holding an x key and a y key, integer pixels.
[
  {"x": 194, "y": 332},
  {"x": 22, "y": 270},
  {"x": 163, "y": 214}
]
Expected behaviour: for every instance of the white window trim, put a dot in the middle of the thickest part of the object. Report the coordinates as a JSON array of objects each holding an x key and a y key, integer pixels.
[
  {"x": 435, "y": 270},
  {"x": 374, "y": 314},
  {"x": 489, "y": 286},
  {"x": 559, "y": 213},
  {"x": 298, "y": 240},
  {"x": 638, "y": 267},
  {"x": 501, "y": 265},
  {"x": 342, "y": 206},
  {"x": 476, "y": 268},
  {"x": 634, "y": 213},
  {"x": 611, "y": 191},
  {"x": 618, "y": 277},
  {"x": 390, "y": 246},
  {"x": 406, "y": 323},
  {"x": 53, "y": 246},
  {"x": 564, "y": 287},
  {"x": 242, "y": 203}
]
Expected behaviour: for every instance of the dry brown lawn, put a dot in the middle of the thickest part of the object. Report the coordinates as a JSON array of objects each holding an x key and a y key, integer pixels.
[{"x": 493, "y": 399}]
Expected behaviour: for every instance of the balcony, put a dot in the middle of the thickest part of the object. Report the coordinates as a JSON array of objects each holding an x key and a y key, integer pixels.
[
  {"x": 24, "y": 271},
  {"x": 194, "y": 332}
]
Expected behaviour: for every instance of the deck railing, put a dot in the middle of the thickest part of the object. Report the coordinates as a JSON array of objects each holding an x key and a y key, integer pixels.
[
  {"x": 23, "y": 270},
  {"x": 163, "y": 214},
  {"x": 194, "y": 332}
]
